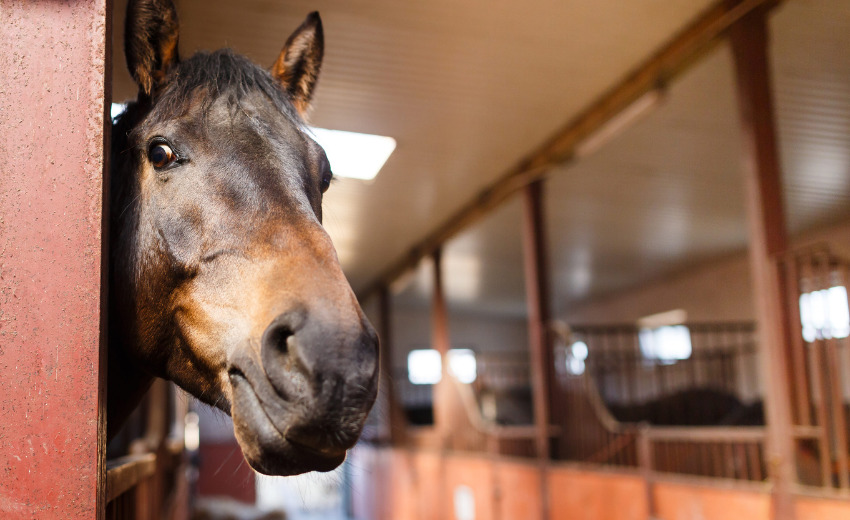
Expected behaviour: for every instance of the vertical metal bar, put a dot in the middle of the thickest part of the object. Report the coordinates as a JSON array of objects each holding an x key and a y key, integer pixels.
[
  {"x": 696, "y": 345},
  {"x": 626, "y": 367},
  {"x": 634, "y": 368},
  {"x": 55, "y": 67},
  {"x": 740, "y": 458},
  {"x": 767, "y": 245},
  {"x": 754, "y": 461},
  {"x": 819, "y": 274},
  {"x": 707, "y": 463},
  {"x": 839, "y": 424},
  {"x": 821, "y": 413}
]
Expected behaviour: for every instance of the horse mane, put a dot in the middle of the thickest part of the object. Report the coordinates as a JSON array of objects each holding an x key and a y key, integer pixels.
[{"x": 220, "y": 73}]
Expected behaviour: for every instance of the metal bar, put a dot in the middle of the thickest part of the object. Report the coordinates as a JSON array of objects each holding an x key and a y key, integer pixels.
[
  {"x": 839, "y": 424},
  {"x": 820, "y": 261},
  {"x": 821, "y": 412},
  {"x": 754, "y": 458},
  {"x": 740, "y": 466}
]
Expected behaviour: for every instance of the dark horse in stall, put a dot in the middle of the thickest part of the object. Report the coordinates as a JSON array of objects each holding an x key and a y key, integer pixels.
[{"x": 222, "y": 278}]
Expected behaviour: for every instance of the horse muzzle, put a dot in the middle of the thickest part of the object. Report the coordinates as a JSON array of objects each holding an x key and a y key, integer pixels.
[{"x": 302, "y": 403}]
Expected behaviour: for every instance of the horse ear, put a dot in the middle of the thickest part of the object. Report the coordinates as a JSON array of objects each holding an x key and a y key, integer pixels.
[
  {"x": 150, "y": 42},
  {"x": 297, "y": 67}
]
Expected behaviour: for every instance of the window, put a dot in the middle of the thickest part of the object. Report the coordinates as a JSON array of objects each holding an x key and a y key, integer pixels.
[
  {"x": 667, "y": 344},
  {"x": 664, "y": 337},
  {"x": 824, "y": 314},
  {"x": 462, "y": 365},
  {"x": 576, "y": 355},
  {"x": 425, "y": 366}
]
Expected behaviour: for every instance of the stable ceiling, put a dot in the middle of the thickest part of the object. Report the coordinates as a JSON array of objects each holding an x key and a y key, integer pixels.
[{"x": 468, "y": 88}]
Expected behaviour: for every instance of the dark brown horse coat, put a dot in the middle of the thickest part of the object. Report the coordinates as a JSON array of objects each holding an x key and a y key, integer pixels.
[{"x": 222, "y": 278}]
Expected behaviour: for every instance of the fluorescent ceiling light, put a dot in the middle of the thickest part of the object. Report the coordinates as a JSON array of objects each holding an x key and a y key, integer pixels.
[{"x": 353, "y": 155}]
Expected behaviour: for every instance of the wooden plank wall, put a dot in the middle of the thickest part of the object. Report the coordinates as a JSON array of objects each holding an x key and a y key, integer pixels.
[{"x": 406, "y": 484}]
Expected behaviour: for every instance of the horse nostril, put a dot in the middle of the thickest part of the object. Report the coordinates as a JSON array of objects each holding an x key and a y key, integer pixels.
[{"x": 276, "y": 338}]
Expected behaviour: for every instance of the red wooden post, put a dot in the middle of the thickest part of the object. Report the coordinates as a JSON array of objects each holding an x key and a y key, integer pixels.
[
  {"x": 767, "y": 247},
  {"x": 54, "y": 70}
]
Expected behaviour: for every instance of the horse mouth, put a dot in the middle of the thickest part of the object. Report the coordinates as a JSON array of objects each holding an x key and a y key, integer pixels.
[{"x": 267, "y": 449}]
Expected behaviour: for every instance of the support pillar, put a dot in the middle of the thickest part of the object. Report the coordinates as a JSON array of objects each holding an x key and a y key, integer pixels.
[
  {"x": 55, "y": 67},
  {"x": 394, "y": 424},
  {"x": 539, "y": 338},
  {"x": 446, "y": 407},
  {"x": 767, "y": 236}
]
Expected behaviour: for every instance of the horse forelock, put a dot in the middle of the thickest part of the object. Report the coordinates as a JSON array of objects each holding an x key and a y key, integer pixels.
[
  {"x": 194, "y": 84},
  {"x": 207, "y": 77}
]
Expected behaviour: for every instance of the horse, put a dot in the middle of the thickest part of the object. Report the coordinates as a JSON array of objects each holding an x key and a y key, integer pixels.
[{"x": 222, "y": 278}]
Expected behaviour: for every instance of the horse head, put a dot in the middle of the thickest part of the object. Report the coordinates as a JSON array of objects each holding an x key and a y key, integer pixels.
[{"x": 222, "y": 278}]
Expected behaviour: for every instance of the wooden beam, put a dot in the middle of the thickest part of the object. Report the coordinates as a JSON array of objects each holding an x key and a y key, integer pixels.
[
  {"x": 668, "y": 62},
  {"x": 539, "y": 339},
  {"x": 127, "y": 472},
  {"x": 767, "y": 233}
]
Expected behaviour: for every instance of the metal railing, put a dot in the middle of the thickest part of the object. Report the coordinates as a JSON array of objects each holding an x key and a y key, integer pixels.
[{"x": 820, "y": 361}]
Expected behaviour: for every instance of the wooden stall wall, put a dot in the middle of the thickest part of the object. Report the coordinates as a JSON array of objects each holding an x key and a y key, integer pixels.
[
  {"x": 586, "y": 495},
  {"x": 405, "y": 484},
  {"x": 693, "y": 502}
]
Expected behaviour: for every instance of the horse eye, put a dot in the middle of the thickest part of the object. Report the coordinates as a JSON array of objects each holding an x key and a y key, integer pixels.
[
  {"x": 161, "y": 155},
  {"x": 326, "y": 180}
]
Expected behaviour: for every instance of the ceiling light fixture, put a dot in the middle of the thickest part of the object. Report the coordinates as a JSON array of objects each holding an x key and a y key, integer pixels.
[{"x": 354, "y": 155}]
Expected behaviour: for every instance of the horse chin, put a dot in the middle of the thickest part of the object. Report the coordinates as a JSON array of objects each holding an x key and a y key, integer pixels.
[{"x": 264, "y": 446}]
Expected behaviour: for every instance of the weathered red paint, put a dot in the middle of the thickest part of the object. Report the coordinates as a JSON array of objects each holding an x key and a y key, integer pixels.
[{"x": 53, "y": 64}]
